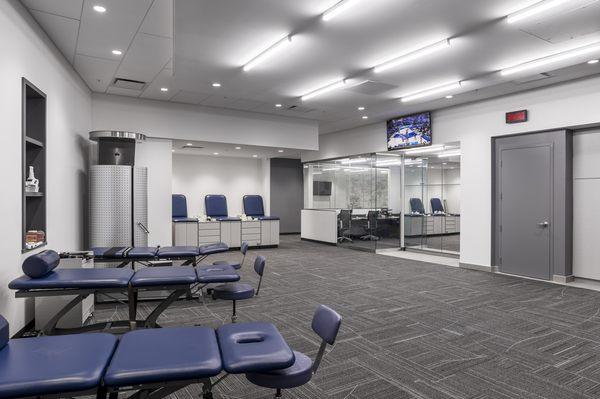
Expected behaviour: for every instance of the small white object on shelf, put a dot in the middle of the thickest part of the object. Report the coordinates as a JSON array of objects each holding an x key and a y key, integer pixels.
[{"x": 32, "y": 185}]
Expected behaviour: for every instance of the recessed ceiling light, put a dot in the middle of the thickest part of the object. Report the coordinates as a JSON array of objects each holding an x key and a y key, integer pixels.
[
  {"x": 189, "y": 144},
  {"x": 278, "y": 105},
  {"x": 279, "y": 150},
  {"x": 593, "y": 62},
  {"x": 268, "y": 53},
  {"x": 172, "y": 150},
  {"x": 361, "y": 108},
  {"x": 164, "y": 89},
  {"x": 254, "y": 156},
  {"x": 117, "y": 52},
  {"x": 215, "y": 153},
  {"x": 449, "y": 96},
  {"x": 99, "y": 9},
  {"x": 365, "y": 117},
  {"x": 238, "y": 148},
  {"x": 216, "y": 84}
]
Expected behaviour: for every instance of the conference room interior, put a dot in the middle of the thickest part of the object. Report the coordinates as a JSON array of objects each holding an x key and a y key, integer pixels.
[{"x": 300, "y": 199}]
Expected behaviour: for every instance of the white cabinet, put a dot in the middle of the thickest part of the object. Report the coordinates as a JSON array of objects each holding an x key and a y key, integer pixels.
[
  {"x": 47, "y": 307},
  {"x": 209, "y": 232},
  {"x": 251, "y": 232},
  {"x": 185, "y": 233},
  {"x": 231, "y": 234},
  {"x": 269, "y": 232}
]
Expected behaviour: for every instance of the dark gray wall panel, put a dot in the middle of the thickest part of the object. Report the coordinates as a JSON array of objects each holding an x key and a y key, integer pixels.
[{"x": 287, "y": 193}]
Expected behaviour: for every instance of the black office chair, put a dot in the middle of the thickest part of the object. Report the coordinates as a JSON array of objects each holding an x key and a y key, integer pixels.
[
  {"x": 372, "y": 217},
  {"x": 344, "y": 225}
]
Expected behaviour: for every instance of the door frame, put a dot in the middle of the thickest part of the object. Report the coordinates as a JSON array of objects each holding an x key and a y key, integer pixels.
[{"x": 561, "y": 213}]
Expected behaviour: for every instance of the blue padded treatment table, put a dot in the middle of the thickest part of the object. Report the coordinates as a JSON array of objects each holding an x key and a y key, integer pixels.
[{"x": 149, "y": 363}]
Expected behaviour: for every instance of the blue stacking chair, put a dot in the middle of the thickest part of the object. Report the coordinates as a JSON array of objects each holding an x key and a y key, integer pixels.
[
  {"x": 239, "y": 291},
  {"x": 326, "y": 323},
  {"x": 234, "y": 264}
]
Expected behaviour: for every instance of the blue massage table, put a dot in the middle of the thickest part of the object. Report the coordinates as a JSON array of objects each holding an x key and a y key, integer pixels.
[
  {"x": 42, "y": 278},
  {"x": 146, "y": 363}
]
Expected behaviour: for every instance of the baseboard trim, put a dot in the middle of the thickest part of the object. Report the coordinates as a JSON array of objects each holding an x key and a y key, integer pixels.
[
  {"x": 333, "y": 244},
  {"x": 563, "y": 279},
  {"x": 481, "y": 268}
]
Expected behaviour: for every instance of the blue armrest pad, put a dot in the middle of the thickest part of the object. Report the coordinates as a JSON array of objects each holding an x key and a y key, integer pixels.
[
  {"x": 184, "y": 219},
  {"x": 40, "y": 264},
  {"x": 268, "y": 218},
  {"x": 75, "y": 278},
  {"x": 52, "y": 365},
  {"x": 162, "y": 355},
  {"x": 162, "y": 276},
  {"x": 229, "y": 219},
  {"x": 177, "y": 252},
  {"x": 213, "y": 248},
  {"x": 253, "y": 347},
  {"x": 216, "y": 274}
]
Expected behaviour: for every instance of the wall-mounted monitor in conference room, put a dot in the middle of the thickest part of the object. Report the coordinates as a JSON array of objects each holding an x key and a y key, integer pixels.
[
  {"x": 322, "y": 188},
  {"x": 409, "y": 131}
]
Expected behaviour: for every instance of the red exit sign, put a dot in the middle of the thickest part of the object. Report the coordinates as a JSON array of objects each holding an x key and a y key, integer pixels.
[{"x": 516, "y": 116}]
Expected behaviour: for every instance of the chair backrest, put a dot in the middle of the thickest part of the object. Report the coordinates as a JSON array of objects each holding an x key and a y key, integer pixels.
[
  {"x": 4, "y": 336},
  {"x": 259, "y": 268},
  {"x": 215, "y": 205},
  {"x": 346, "y": 217},
  {"x": 436, "y": 205},
  {"x": 253, "y": 205},
  {"x": 179, "y": 206},
  {"x": 416, "y": 205},
  {"x": 326, "y": 323},
  {"x": 372, "y": 216},
  {"x": 244, "y": 248}
]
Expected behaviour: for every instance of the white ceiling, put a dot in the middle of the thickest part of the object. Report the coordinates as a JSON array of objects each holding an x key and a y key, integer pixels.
[
  {"x": 188, "y": 147},
  {"x": 187, "y": 45}
]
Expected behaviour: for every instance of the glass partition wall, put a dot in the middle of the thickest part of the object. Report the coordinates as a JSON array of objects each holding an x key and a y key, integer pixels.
[{"x": 371, "y": 192}]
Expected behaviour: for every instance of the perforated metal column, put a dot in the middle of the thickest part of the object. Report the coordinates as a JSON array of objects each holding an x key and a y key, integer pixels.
[{"x": 140, "y": 207}]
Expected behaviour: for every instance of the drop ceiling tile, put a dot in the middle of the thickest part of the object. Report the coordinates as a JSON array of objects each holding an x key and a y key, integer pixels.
[
  {"x": 246, "y": 105},
  {"x": 62, "y": 31},
  {"x": 163, "y": 79},
  {"x": 123, "y": 92},
  {"x": 146, "y": 57},
  {"x": 96, "y": 72},
  {"x": 189, "y": 97},
  {"x": 65, "y": 8},
  {"x": 159, "y": 20},
  {"x": 115, "y": 29},
  {"x": 217, "y": 100}
]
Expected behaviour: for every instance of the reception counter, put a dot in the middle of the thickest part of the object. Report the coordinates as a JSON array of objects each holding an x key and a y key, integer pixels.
[{"x": 319, "y": 225}]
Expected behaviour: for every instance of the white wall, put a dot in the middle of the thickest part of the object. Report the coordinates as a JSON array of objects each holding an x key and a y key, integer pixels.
[
  {"x": 156, "y": 155},
  {"x": 586, "y": 212},
  {"x": 27, "y": 52},
  {"x": 196, "y": 176},
  {"x": 191, "y": 122},
  {"x": 473, "y": 125}
]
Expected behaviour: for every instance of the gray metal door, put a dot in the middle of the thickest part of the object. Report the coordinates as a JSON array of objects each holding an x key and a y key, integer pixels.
[{"x": 525, "y": 210}]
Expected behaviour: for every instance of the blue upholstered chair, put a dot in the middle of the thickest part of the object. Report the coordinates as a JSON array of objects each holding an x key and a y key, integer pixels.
[
  {"x": 437, "y": 208},
  {"x": 235, "y": 264},
  {"x": 179, "y": 208},
  {"x": 240, "y": 291},
  {"x": 254, "y": 207},
  {"x": 326, "y": 323},
  {"x": 216, "y": 208}
]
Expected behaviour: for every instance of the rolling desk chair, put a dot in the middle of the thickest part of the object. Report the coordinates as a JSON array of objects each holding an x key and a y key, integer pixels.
[
  {"x": 372, "y": 217},
  {"x": 344, "y": 225}
]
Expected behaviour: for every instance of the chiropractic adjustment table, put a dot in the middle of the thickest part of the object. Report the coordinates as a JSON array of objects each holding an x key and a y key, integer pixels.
[
  {"x": 146, "y": 363},
  {"x": 43, "y": 279}
]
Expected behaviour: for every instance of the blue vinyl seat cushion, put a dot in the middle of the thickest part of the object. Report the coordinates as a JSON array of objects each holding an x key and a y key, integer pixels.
[
  {"x": 253, "y": 347},
  {"x": 233, "y": 291},
  {"x": 76, "y": 278},
  {"x": 233, "y": 264},
  {"x": 186, "y": 219},
  {"x": 4, "y": 332},
  {"x": 216, "y": 274},
  {"x": 210, "y": 249},
  {"x": 142, "y": 252},
  {"x": 178, "y": 252},
  {"x": 296, "y": 375},
  {"x": 52, "y": 365},
  {"x": 167, "y": 275},
  {"x": 162, "y": 355},
  {"x": 109, "y": 252},
  {"x": 268, "y": 218}
]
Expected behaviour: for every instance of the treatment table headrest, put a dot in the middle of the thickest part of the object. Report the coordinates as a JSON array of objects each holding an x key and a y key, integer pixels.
[
  {"x": 40, "y": 264},
  {"x": 3, "y": 332}
]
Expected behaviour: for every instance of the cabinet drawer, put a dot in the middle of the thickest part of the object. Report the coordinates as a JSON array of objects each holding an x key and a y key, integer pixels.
[{"x": 208, "y": 225}]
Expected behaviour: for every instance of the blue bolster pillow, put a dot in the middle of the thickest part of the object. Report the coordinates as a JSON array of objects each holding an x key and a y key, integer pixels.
[
  {"x": 40, "y": 264},
  {"x": 3, "y": 332}
]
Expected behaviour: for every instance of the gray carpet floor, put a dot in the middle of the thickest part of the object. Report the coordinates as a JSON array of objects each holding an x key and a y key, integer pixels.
[{"x": 411, "y": 329}]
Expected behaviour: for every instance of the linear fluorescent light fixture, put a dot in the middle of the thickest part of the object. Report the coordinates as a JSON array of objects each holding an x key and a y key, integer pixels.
[
  {"x": 551, "y": 59},
  {"x": 414, "y": 55},
  {"x": 431, "y": 92},
  {"x": 281, "y": 44},
  {"x": 424, "y": 150},
  {"x": 324, "y": 90},
  {"x": 535, "y": 9},
  {"x": 355, "y": 160},
  {"x": 449, "y": 154},
  {"x": 337, "y": 9}
]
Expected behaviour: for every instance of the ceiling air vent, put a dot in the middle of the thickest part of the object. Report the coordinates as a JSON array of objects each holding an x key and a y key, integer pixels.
[
  {"x": 129, "y": 84},
  {"x": 197, "y": 147}
]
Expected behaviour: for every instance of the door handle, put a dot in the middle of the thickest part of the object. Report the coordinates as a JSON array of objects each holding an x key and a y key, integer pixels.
[
  {"x": 543, "y": 224},
  {"x": 144, "y": 228}
]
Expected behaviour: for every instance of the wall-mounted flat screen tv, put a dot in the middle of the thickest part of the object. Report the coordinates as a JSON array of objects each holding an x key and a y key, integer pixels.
[
  {"x": 322, "y": 188},
  {"x": 409, "y": 131}
]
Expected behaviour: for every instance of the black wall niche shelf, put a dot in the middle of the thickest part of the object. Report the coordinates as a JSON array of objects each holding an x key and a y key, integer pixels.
[{"x": 33, "y": 154}]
